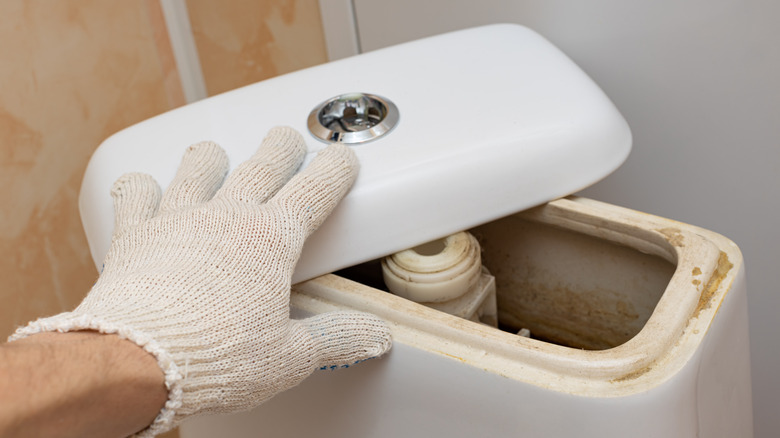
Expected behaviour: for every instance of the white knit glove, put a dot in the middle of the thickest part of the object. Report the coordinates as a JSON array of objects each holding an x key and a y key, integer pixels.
[{"x": 200, "y": 277}]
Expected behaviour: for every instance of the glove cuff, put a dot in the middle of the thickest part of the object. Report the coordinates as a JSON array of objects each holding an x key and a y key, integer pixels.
[{"x": 73, "y": 321}]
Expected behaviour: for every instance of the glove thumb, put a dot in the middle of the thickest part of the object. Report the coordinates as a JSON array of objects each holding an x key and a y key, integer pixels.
[{"x": 344, "y": 338}]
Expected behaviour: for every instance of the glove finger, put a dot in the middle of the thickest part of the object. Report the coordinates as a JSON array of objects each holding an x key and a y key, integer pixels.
[
  {"x": 344, "y": 338},
  {"x": 313, "y": 193},
  {"x": 136, "y": 199},
  {"x": 275, "y": 162},
  {"x": 200, "y": 174}
]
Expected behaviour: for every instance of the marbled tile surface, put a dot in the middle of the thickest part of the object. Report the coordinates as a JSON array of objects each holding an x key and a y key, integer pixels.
[
  {"x": 74, "y": 72},
  {"x": 244, "y": 41},
  {"x": 71, "y": 74}
]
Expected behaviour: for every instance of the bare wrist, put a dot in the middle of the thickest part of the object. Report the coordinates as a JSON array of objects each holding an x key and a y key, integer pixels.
[{"x": 99, "y": 384}]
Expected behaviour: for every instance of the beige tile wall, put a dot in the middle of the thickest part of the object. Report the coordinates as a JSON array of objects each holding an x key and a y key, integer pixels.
[
  {"x": 244, "y": 41},
  {"x": 72, "y": 72}
]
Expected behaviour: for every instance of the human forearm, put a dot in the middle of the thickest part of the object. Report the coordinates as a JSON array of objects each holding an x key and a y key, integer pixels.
[
  {"x": 79, "y": 384},
  {"x": 199, "y": 275}
]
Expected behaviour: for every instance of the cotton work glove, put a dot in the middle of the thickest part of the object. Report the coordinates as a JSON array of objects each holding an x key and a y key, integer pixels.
[{"x": 200, "y": 277}]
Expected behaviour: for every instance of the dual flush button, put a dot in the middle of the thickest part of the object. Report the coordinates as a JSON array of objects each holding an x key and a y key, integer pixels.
[{"x": 353, "y": 118}]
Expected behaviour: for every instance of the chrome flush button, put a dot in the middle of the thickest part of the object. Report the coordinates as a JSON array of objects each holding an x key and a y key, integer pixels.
[{"x": 353, "y": 118}]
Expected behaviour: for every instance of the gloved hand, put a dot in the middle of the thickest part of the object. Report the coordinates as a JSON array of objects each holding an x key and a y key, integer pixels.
[{"x": 200, "y": 277}]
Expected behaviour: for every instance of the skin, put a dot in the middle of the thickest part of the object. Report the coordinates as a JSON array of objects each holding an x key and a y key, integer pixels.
[{"x": 79, "y": 384}]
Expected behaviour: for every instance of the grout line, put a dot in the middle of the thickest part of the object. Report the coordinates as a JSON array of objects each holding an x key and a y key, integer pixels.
[
  {"x": 355, "y": 27},
  {"x": 170, "y": 72},
  {"x": 339, "y": 25},
  {"x": 185, "y": 52}
]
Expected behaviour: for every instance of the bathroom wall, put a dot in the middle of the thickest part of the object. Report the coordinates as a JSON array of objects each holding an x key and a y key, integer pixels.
[
  {"x": 71, "y": 74},
  {"x": 697, "y": 81},
  {"x": 74, "y": 72},
  {"x": 243, "y": 41}
]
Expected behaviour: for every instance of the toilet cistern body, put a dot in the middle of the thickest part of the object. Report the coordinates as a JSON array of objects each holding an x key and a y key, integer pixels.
[{"x": 638, "y": 324}]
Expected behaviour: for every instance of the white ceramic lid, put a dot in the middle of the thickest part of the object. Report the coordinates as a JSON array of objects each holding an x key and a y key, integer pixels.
[{"x": 493, "y": 120}]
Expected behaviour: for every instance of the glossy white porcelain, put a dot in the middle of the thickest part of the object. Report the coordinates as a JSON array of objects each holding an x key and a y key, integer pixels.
[
  {"x": 639, "y": 322},
  {"x": 493, "y": 120}
]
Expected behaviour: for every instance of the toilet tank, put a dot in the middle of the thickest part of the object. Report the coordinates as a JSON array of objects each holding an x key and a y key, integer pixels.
[
  {"x": 638, "y": 323},
  {"x": 638, "y": 329}
]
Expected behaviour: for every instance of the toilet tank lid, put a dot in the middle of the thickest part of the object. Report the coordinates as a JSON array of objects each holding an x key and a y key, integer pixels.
[{"x": 493, "y": 120}]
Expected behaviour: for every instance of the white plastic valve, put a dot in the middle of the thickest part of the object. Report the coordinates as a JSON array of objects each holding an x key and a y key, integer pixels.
[{"x": 447, "y": 275}]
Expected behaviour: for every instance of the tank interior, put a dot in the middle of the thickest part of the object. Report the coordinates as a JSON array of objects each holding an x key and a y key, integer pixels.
[{"x": 565, "y": 287}]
